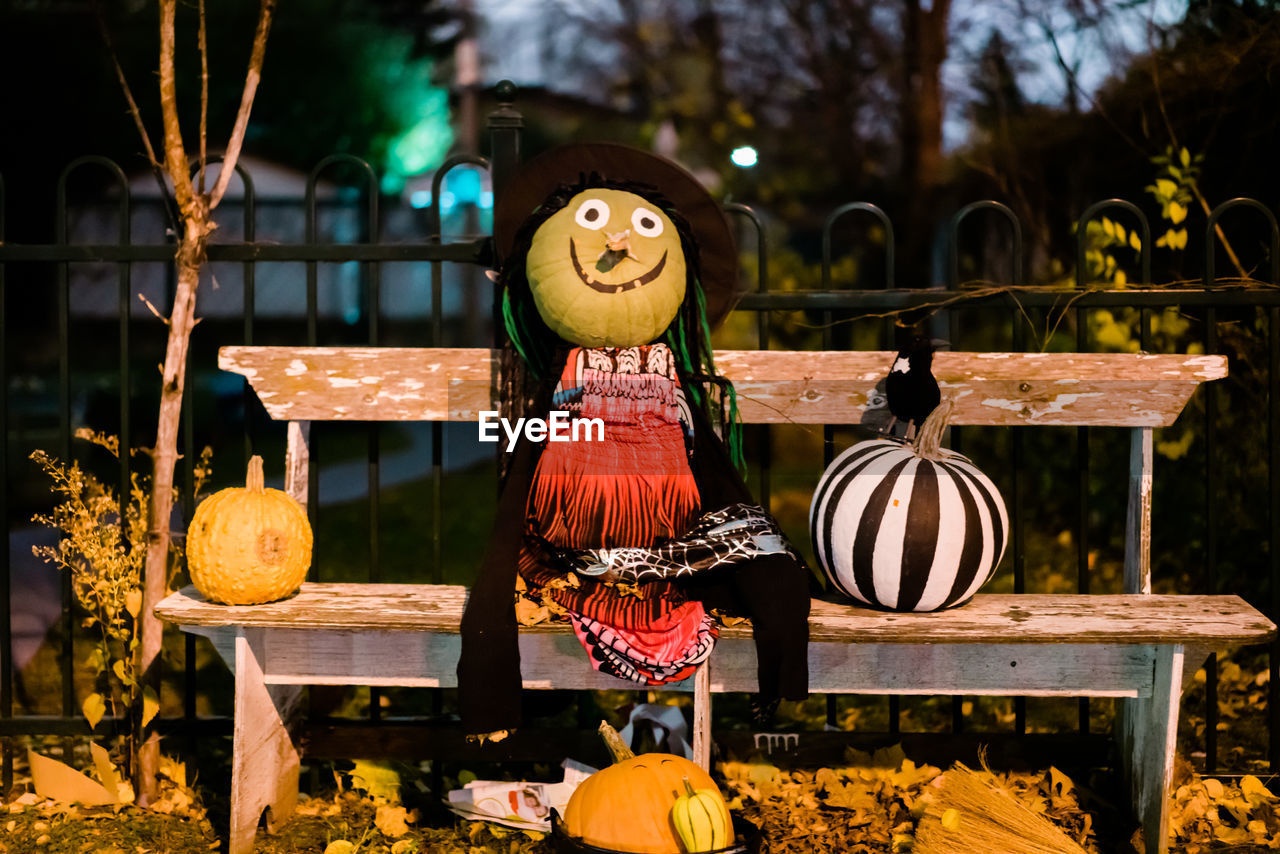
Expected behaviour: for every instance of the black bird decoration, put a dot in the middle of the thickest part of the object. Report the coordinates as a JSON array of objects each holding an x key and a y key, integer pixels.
[{"x": 911, "y": 389}]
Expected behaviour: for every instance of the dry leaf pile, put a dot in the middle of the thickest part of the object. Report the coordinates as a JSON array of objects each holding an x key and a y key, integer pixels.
[
  {"x": 1208, "y": 814},
  {"x": 872, "y": 802},
  {"x": 869, "y": 804},
  {"x": 30, "y": 823},
  {"x": 352, "y": 822}
]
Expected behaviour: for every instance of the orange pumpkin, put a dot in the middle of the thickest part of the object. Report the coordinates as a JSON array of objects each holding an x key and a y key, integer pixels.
[
  {"x": 250, "y": 545},
  {"x": 627, "y": 806}
]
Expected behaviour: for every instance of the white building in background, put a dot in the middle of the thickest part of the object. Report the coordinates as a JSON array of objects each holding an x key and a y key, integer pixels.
[{"x": 280, "y": 194}]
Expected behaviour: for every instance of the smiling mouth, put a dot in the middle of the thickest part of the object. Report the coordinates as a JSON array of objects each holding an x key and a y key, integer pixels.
[{"x": 605, "y": 287}]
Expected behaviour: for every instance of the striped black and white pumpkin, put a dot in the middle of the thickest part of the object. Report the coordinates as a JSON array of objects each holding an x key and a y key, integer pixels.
[{"x": 896, "y": 530}]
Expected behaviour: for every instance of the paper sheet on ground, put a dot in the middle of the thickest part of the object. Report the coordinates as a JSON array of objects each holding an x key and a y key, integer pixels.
[{"x": 524, "y": 806}]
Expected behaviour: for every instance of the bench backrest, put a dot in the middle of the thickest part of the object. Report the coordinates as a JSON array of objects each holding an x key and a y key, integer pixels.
[{"x": 304, "y": 384}]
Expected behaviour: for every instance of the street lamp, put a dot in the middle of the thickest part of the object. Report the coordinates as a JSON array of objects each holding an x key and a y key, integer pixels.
[{"x": 744, "y": 156}]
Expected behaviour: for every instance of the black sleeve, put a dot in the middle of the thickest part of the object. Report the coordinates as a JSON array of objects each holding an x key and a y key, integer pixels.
[
  {"x": 773, "y": 591},
  {"x": 489, "y": 666}
]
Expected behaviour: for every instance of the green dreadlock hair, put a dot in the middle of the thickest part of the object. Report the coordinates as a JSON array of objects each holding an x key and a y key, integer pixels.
[{"x": 533, "y": 353}]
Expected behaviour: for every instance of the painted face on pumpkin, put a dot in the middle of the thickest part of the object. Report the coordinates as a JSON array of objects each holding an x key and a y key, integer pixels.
[{"x": 607, "y": 270}]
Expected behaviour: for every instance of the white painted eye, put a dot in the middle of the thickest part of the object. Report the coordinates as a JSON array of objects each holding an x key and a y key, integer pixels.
[
  {"x": 592, "y": 214},
  {"x": 646, "y": 222}
]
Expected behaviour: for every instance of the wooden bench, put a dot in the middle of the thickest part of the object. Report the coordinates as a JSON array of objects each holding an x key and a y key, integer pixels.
[{"x": 1136, "y": 647}]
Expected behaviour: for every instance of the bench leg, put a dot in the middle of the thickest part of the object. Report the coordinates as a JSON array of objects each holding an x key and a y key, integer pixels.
[
  {"x": 702, "y": 716},
  {"x": 265, "y": 762},
  {"x": 1147, "y": 734}
]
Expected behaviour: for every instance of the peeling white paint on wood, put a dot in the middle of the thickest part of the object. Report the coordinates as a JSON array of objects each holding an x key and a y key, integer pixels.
[
  {"x": 773, "y": 386},
  {"x": 993, "y": 618},
  {"x": 265, "y": 762}
]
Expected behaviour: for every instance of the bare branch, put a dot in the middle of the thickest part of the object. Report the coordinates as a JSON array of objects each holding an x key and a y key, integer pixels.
[
  {"x": 204, "y": 96},
  {"x": 156, "y": 169},
  {"x": 251, "y": 78},
  {"x": 175, "y": 156},
  {"x": 154, "y": 310}
]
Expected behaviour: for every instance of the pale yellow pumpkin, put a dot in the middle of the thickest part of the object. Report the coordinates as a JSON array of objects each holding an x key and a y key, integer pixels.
[{"x": 249, "y": 545}]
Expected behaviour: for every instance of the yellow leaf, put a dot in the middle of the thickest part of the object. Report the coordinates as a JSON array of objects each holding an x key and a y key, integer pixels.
[
  {"x": 94, "y": 707},
  {"x": 60, "y": 782},
  {"x": 1185, "y": 157},
  {"x": 107, "y": 772},
  {"x": 150, "y": 704},
  {"x": 1179, "y": 239},
  {"x": 1165, "y": 187},
  {"x": 1254, "y": 790},
  {"x": 379, "y": 779},
  {"x": 529, "y": 613},
  {"x": 404, "y": 846},
  {"x": 133, "y": 602},
  {"x": 339, "y": 846},
  {"x": 117, "y": 667},
  {"x": 1177, "y": 213},
  {"x": 174, "y": 770},
  {"x": 1108, "y": 227},
  {"x": 760, "y": 773},
  {"x": 1121, "y": 278},
  {"x": 951, "y": 819},
  {"x": 390, "y": 821},
  {"x": 1135, "y": 241},
  {"x": 888, "y": 757},
  {"x": 1214, "y": 787},
  {"x": 1120, "y": 233},
  {"x": 1059, "y": 783}
]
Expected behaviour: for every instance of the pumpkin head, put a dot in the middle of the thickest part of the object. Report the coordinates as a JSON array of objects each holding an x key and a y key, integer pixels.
[
  {"x": 627, "y": 806},
  {"x": 908, "y": 527},
  {"x": 607, "y": 270},
  {"x": 249, "y": 545}
]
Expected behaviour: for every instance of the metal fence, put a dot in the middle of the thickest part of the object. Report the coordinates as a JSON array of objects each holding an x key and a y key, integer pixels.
[{"x": 50, "y": 351}]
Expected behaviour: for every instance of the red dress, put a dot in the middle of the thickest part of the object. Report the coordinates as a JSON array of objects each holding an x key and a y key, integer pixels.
[{"x": 632, "y": 488}]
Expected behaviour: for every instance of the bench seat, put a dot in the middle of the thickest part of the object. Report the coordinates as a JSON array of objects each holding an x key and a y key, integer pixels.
[{"x": 987, "y": 618}]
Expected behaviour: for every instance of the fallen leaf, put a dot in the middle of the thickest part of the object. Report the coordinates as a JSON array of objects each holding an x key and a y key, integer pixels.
[
  {"x": 1254, "y": 790},
  {"x": 107, "y": 771},
  {"x": 61, "y": 782},
  {"x": 390, "y": 821},
  {"x": 339, "y": 846},
  {"x": 379, "y": 779}
]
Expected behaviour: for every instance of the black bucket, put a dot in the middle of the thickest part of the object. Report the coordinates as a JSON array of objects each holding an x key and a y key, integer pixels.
[{"x": 747, "y": 840}]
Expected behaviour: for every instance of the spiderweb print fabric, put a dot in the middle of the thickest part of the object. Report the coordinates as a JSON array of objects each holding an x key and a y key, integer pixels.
[{"x": 723, "y": 537}]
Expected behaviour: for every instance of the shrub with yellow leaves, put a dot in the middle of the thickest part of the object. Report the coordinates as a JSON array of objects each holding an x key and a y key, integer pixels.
[{"x": 102, "y": 544}]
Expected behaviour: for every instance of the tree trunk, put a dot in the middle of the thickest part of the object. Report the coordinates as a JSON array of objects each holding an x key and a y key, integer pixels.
[
  {"x": 921, "y": 112},
  {"x": 190, "y": 260}
]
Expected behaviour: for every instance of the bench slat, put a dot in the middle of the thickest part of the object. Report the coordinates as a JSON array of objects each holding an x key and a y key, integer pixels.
[
  {"x": 823, "y": 387},
  {"x": 989, "y": 618}
]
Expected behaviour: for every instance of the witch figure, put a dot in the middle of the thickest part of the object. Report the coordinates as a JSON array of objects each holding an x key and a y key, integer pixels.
[{"x": 615, "y": 264}]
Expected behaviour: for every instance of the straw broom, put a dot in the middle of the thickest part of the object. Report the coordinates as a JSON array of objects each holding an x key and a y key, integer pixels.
[{"x": 971, "y": 811}]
